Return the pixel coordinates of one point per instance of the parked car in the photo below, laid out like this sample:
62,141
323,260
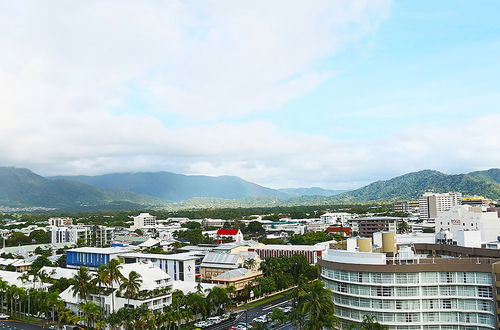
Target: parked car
4,316
215,319
200,324
260,319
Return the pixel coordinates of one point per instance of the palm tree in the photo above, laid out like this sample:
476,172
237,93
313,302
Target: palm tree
90,311
114,276
3,288
82,283
131,285
218,298
370,323
197,303
278,316
316,306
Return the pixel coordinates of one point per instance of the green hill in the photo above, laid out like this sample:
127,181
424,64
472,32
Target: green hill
412,185
20,187
493,175
178,187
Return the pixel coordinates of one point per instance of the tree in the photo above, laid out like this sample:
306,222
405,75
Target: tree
115,275
278,317
370,323
254,227
131,285
316,307
91,312
3,289
403,227
39,262
82,283
218,299
40,236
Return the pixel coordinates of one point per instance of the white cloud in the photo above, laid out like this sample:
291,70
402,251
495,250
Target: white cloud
70,71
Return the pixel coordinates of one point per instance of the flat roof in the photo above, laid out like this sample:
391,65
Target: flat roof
176,256
289,247
106,250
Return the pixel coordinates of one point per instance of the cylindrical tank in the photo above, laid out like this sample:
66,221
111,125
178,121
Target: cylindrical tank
389,243
364,244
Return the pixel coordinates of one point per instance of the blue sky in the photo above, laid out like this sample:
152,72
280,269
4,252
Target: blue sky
331,93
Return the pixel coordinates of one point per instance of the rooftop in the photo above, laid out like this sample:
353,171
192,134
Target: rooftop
177,256
106,250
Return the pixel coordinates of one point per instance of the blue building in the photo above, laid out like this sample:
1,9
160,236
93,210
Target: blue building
92,257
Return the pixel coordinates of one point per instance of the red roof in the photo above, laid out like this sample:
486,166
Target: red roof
345,230
227,232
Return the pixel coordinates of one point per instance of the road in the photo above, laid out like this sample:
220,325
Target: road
255,312
18,325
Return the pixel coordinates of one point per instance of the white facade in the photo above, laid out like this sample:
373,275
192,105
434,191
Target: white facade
339,218
431,205
60,222
90,235
144,220
409,296
179,266
470,218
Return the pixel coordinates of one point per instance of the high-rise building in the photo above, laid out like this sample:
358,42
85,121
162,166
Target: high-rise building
431,205
412,292
99,236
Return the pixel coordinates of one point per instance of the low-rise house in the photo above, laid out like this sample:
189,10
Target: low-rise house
58,272
240,278
217,263
154,292
20,265
15,278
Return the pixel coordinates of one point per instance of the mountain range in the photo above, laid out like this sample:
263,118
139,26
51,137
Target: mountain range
23,188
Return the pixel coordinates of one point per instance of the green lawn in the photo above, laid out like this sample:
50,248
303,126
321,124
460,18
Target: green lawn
265,300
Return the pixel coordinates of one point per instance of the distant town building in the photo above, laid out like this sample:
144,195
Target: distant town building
311,252
144,220
345,231
366,226
60,222
337,218
405,206
431,205
469,225
475,201
99,236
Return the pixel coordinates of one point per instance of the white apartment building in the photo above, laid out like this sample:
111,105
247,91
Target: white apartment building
431,205
90,235
466,220
144,220
412,293
337,218
155,291
179,266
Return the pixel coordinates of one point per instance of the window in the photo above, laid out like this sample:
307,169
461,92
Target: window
342,287
484,292
384,291
446,303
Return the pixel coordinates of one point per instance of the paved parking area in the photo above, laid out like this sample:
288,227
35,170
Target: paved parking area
18,325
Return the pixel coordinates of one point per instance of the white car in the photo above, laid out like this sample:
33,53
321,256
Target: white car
261,319
4,316
200,324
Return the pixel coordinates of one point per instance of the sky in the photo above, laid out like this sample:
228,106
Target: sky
334,94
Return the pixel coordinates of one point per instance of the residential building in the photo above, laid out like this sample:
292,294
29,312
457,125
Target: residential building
474,221
19,265
337,218
431,205
99,236
316,226
232,235
366,226
144,220
154,292
60,222
311,252
179,266
412,291
93,257
405,206
14,278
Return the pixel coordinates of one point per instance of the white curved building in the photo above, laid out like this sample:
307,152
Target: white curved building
428,293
